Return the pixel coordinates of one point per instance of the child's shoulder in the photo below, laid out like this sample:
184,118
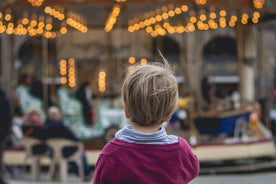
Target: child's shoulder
110,147
183,142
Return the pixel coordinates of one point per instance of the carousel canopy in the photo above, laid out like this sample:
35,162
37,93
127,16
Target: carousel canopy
157,17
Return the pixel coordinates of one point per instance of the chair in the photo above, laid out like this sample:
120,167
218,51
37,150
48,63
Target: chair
58,144
28,144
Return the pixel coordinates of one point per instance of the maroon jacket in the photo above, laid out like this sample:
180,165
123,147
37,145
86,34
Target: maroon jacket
121,162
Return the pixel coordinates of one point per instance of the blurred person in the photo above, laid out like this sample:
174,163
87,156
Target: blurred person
206,90
84,95
143,152
24,80
54,128
36,88
6,115
26,100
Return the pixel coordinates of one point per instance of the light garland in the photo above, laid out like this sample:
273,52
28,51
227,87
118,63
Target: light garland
258,3
57,12
36,2
67,72
201,2
102,81
112,18
154,17
33,26
36,25
76,21
151,22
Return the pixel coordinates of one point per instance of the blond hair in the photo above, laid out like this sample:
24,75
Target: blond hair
150,93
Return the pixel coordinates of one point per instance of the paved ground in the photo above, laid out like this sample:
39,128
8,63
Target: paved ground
252,178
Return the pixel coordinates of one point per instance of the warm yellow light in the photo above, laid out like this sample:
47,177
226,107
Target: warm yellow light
190,27
63,62
203,17
184,8
101,81
63,80
63,30
177,10
245,16
231,23
71,61
131,60
33,23
180,29
171,13
222,13
258,3
47,9
200,25
213,15
256,14
234,18
222,24
158,18
193,19
143,61
49,27
165,16
102,74
2,29
149,29
206,27
25,21
152,21
8,17
202,2
255,20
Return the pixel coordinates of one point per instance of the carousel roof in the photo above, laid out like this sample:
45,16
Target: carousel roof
149,15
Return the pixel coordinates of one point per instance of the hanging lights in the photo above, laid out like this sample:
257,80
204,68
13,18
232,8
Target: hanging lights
41,24
157,23
112,18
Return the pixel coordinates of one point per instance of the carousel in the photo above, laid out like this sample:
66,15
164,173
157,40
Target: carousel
68,42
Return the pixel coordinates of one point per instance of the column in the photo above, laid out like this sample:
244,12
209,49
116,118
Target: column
6,61
194,64
246,41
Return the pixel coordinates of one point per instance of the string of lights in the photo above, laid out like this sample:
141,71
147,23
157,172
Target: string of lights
41,24
157,22
67,72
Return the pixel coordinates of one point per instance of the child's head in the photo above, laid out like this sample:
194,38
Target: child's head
150,94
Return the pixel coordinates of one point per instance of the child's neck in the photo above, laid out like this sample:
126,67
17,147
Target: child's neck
145,129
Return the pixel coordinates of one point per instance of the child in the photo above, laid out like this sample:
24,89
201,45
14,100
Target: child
142,152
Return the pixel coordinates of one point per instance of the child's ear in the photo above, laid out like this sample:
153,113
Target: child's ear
126,113
167,118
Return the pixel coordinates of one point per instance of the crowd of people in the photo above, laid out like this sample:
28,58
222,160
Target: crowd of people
26,115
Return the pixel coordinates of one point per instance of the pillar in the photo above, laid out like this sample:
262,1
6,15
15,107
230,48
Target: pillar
193,64
6,61
247,54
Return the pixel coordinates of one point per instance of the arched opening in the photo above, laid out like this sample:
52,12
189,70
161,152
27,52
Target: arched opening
36,57
168,47
30,55
220,65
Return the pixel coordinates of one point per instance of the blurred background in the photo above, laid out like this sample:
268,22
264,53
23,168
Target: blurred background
62,64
